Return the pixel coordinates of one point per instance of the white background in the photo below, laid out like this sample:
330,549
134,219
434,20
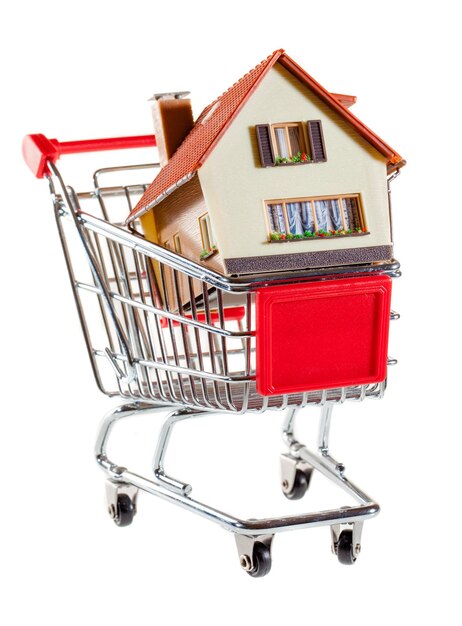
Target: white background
83,70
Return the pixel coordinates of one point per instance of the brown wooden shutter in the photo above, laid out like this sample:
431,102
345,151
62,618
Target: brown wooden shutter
353,212
318,150
346,204
265,146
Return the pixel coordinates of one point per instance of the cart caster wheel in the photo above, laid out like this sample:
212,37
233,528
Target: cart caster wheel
300,485
261,561
124,511
345,549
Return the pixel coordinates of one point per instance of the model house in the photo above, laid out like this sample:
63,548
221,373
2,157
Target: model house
276,174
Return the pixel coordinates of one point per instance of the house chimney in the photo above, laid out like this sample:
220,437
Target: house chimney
173,119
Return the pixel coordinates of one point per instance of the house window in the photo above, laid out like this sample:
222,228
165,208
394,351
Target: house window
208,239
289,143
288,140
305,218
177,243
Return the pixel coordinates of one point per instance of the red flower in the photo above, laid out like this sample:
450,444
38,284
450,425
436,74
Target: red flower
364,230
282,237
303,156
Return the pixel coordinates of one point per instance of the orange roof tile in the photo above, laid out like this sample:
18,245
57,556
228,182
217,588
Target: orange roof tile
216,117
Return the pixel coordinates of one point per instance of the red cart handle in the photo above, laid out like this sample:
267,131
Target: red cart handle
38,149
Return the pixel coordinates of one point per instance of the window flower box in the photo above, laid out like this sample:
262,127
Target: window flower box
298,159
278,237
206,254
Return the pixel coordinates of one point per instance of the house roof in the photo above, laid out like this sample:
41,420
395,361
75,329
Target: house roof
214,120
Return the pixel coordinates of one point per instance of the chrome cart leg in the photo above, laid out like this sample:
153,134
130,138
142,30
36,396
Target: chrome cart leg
323,439
295,473
167,481
346,535
121,496
120,412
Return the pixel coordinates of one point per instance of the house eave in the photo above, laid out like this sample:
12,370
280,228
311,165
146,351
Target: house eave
161,197
393,167
392,156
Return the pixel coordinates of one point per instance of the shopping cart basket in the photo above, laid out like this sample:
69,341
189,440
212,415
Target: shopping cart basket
157,349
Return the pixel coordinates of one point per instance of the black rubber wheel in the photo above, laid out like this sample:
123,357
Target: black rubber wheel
345,548
300,486
125,510
261,558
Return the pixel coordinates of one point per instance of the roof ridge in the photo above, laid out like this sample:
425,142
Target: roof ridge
278,52
260,71
259,65
241,80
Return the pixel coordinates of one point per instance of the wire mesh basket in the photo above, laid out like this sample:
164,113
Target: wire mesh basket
160,327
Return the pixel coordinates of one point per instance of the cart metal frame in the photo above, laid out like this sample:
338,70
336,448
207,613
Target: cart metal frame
190,360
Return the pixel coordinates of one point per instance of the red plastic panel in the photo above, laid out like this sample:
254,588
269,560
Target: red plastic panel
322,335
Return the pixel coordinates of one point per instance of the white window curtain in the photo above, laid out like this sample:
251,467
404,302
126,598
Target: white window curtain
328,214
281,141
335,215
300,217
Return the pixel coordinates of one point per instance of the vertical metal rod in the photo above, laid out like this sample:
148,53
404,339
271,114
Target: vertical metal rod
324,428
78,300
163,347
100,255
210,338
176,352
247,351
155,297
161,449
199,352
185,339
289,423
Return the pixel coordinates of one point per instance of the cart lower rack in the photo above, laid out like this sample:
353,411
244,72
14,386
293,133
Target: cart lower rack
166,334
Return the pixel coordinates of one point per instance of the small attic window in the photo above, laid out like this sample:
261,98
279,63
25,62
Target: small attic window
177,243
291,143
288,140
209,113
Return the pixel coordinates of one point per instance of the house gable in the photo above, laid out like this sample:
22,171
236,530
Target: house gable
213,123
235,185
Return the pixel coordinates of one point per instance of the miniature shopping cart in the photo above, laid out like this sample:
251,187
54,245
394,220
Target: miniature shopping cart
161,351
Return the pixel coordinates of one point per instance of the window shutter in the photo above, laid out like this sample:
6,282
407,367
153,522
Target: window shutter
353,213
318,150
264,145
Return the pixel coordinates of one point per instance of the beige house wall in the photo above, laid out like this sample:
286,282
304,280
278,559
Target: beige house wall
235,184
